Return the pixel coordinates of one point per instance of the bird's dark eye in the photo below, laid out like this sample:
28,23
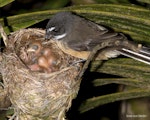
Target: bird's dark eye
56,30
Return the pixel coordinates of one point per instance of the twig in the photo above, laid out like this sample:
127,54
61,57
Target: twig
4,35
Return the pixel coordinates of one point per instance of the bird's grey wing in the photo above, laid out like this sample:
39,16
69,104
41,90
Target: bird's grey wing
101,35
83,36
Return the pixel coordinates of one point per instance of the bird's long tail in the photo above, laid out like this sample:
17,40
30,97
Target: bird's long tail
143,55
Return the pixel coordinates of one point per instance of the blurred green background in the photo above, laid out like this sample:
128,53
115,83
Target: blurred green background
24,6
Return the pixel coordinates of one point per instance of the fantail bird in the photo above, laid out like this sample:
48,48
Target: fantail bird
78,36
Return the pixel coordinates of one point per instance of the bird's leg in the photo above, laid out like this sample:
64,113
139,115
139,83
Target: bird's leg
79,61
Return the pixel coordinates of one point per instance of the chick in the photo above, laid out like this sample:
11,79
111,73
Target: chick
41,59
35,46
51,58
35,67
44,65
34,51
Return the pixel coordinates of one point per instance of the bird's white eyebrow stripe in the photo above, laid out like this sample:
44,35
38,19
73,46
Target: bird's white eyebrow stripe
51,29
60,36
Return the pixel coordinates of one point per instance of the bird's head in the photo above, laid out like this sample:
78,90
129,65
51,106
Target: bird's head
34,47
59,25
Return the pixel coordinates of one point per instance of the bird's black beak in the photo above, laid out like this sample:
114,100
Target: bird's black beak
48,36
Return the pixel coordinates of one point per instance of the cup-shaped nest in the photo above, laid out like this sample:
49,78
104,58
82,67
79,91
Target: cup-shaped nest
37,92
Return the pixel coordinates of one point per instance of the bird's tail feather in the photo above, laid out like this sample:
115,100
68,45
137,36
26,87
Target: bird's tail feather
143,55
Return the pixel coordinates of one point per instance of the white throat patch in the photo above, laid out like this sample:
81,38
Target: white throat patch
60,36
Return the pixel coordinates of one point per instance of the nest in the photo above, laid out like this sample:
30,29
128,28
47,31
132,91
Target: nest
36,94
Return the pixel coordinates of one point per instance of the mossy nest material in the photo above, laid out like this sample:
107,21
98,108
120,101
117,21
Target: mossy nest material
34,94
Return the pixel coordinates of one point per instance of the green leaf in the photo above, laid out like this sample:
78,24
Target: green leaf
112,1
144,1
24,20
131,20
5,2
100,100
123,81
124,67
79,2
